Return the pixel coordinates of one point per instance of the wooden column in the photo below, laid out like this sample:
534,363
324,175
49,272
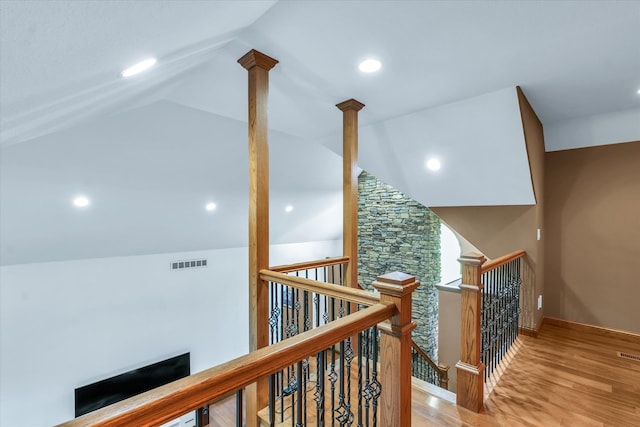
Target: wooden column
350,110
258,65
470,370
395,349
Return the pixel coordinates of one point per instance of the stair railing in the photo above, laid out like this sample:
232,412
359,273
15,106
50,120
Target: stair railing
342,383
424,368
501,280
489,299
384,387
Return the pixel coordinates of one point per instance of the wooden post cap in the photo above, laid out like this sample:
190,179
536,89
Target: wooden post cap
253,58
396,284
350,104
472,258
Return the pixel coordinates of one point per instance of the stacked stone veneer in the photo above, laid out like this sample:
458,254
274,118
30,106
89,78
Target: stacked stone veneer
396,233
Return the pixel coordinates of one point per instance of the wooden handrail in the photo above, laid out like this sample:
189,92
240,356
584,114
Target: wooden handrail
495,263
170,401
310,264
343,292
442,369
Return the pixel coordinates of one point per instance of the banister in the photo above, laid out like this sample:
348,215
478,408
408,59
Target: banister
170,401
495,263
343,292
440,368
327,262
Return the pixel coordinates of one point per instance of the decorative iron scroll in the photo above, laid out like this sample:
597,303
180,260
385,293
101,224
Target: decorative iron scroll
341,383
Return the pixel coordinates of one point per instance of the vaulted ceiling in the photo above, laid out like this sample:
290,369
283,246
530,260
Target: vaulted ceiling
152,150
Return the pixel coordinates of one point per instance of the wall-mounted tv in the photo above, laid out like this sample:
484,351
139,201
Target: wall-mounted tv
111,390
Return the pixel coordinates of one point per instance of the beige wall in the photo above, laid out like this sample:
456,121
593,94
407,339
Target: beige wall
535,266
593,235
449,323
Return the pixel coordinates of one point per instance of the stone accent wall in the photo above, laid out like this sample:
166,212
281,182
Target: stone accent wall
396,233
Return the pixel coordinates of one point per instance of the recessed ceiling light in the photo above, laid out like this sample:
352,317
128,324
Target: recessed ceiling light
288,208
81,202
638,91
433,164
370,66
210,206
139,67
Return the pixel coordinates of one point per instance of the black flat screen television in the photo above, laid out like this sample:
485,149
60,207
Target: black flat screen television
111,390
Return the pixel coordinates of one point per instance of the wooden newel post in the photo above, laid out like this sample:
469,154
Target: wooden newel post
395,349
350,110
258,65
470,369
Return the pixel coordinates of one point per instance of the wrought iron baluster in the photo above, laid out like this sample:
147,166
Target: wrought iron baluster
239,411
333,377
272,399
319,394
360,379
300,387
375,384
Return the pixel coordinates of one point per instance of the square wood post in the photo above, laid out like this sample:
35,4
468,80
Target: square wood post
350,110
470,369
395,349
258,65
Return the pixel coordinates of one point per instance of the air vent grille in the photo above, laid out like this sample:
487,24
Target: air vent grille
190,263
629,356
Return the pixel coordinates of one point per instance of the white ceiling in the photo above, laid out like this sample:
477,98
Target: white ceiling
151,150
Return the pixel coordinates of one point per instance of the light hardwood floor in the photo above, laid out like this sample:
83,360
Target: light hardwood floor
562,378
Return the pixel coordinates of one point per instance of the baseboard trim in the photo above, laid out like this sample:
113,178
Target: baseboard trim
528,332
592,329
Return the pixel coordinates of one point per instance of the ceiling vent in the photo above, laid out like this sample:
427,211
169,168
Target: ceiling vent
629,356
184,264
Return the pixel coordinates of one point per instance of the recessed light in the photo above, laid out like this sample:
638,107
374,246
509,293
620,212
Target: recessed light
433,164
139,67
288,208
81,202
210,206
638,91
370,66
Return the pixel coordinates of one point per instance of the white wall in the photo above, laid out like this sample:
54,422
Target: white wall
67,324
590,131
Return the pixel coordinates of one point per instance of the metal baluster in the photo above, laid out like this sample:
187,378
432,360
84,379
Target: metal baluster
367,395
272,399
333,377
299,376
360,379
239,410
375,384
349,354
319,394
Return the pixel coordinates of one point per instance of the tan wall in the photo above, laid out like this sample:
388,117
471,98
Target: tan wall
449,332
593,235
534,138
499,230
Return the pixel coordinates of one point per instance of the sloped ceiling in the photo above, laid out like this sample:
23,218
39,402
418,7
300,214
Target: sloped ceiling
151,150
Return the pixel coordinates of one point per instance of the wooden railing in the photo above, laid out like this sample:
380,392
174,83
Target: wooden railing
498,262
311,265
486,312
302,299
501,280
424,368
387,311
177,398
